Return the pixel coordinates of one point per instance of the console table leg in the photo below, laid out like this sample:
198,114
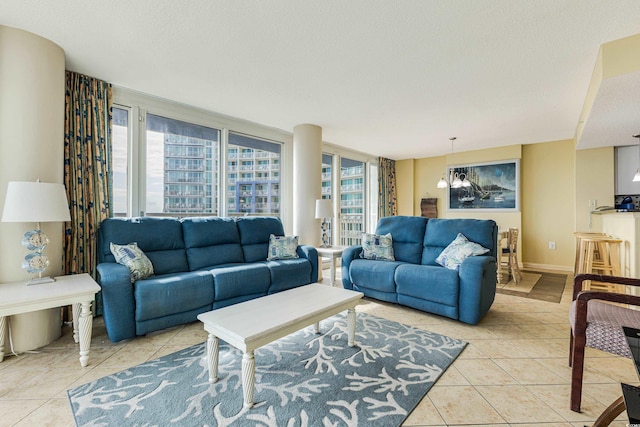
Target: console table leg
75,314
351,326
3,331
248,378
213,352
316,327
85,321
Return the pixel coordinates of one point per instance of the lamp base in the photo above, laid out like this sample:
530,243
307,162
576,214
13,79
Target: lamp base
40,280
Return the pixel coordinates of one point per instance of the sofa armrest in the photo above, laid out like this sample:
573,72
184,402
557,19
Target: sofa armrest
118,301
348,255
477,288
310,253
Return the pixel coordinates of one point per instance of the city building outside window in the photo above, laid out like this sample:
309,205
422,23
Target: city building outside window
257,189
182,167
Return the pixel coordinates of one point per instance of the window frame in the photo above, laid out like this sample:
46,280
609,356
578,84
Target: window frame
139,105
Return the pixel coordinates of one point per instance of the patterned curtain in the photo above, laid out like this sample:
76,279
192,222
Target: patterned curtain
87,168
387,187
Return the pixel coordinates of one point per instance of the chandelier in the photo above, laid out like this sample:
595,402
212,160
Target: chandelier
456,180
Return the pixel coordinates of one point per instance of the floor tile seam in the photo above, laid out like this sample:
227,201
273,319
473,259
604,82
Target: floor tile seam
541,403
479,394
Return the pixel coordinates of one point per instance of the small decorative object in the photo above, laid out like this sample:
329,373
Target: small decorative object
35,202
324,210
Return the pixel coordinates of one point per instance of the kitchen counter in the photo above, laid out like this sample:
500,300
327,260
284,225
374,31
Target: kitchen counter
625,226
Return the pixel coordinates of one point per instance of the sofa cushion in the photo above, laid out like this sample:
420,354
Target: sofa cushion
282,247
254,236
429,283
460,249
134,259
378,247
211,241
169,294
441,232
408,235
231,281
288,274
159,238
375,275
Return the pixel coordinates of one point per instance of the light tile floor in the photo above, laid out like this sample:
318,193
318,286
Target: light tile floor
514,371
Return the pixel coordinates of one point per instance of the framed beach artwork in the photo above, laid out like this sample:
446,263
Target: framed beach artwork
489,186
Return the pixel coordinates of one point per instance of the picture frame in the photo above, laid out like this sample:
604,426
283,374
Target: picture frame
489,187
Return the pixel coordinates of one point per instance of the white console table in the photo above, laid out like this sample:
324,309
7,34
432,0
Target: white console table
333,253
76,290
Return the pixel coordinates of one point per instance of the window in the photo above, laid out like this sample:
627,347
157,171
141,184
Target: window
255,192
182,167
352,196
119,159
327,187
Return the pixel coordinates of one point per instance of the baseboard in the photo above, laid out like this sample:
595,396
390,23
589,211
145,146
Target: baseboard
536,266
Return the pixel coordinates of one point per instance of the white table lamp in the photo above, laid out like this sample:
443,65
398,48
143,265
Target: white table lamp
324,210
35,202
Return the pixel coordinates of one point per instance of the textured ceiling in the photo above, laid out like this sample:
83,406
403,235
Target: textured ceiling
390,78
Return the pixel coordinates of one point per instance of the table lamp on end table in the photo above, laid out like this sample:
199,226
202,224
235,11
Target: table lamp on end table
35,202
324,210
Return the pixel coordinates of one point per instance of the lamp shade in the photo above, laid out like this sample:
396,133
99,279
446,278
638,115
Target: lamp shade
35,202
324,208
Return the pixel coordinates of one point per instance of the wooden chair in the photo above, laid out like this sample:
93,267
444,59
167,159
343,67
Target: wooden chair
597,323
509,256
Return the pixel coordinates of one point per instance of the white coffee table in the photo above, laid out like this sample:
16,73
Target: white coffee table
255,323
77,290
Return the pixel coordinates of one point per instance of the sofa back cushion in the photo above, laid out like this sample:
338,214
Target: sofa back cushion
211,241
441,232
159,238
254,236
407,233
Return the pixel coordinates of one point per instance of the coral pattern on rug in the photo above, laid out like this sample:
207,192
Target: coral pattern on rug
304,379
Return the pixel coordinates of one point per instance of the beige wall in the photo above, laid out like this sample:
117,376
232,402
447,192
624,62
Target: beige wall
31,147
547,196
548,203
404,186
594,181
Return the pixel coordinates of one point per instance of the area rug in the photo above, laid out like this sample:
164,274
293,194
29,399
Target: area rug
305,379
536,285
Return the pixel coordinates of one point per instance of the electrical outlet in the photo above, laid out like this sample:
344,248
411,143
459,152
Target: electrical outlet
593,204
552,245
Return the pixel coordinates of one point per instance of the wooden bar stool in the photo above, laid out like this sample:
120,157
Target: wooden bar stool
600,255
580,255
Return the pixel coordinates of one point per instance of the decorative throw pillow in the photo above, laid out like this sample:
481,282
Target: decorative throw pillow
132,256
377,247
282,247
458,250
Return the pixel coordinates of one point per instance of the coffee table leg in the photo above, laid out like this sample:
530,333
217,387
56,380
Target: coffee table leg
85,321
351,326
248,378
213,351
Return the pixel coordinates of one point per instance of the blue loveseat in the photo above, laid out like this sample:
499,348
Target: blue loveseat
415,280
200,264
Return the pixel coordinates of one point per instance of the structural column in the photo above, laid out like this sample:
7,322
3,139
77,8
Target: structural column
307,182
32,73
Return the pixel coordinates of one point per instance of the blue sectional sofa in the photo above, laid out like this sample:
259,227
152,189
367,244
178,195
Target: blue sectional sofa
415,280
199,264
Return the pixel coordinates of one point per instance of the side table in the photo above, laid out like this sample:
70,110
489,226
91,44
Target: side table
77,290
333,253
